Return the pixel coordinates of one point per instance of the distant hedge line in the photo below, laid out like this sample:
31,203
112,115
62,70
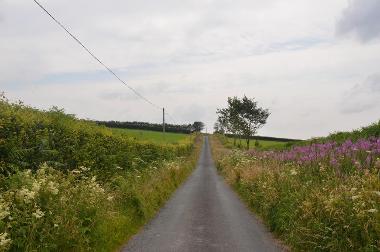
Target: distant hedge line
185,128
266,138
29,137
372,130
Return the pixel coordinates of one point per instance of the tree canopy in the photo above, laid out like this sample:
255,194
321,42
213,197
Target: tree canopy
242,117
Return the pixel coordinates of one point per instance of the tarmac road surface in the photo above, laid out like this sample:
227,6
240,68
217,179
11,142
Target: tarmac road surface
204,214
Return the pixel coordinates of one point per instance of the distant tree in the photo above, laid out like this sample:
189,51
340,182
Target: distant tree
184,128
223,120
217,128
229,118
198,126
242,117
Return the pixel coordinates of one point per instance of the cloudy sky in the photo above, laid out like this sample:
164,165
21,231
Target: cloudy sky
314,64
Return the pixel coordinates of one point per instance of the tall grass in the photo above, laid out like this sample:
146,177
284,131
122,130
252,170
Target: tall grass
69,185
49,210
323,197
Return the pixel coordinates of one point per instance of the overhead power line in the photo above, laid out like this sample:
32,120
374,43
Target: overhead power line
174,121
96,58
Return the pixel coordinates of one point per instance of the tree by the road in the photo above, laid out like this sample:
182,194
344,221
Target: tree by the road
242,117
198,126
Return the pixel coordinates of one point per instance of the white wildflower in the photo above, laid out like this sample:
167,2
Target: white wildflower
4,209
376,192
55,225
355,197
26,195
110,198
373,210
83,168
36,186
95,186
41,172
377,163
44,166
38,214
42,181
353,189
76,171
98,189
51,186
4,242
293,172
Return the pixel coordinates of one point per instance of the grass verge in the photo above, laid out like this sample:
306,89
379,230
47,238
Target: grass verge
70,185
50,210
309,208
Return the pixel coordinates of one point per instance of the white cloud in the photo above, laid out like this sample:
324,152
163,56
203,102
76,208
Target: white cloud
188,56
363,97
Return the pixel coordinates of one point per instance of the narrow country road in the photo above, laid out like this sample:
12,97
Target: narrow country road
204,214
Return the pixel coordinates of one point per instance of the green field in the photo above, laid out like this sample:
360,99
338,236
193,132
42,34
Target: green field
69,184
262,144
154,136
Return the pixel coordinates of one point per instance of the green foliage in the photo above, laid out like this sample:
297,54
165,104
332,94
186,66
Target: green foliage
198,126
242,117
372,130
54,211
70,185
145,126
311,209
29,137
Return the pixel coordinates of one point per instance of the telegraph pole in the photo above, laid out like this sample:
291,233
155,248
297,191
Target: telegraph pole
163,122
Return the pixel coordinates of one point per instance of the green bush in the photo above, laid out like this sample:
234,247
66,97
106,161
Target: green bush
29,137
70,185
49,210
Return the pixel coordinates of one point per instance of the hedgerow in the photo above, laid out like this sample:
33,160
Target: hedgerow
29,137
70,185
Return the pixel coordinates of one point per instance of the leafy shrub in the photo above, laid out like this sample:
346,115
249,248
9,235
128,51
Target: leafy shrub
29,137
67,184
49,210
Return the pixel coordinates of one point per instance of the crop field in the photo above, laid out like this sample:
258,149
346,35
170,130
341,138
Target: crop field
154,136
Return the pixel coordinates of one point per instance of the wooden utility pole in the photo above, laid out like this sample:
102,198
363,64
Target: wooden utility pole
163,122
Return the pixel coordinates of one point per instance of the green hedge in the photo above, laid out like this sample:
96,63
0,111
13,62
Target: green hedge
30,137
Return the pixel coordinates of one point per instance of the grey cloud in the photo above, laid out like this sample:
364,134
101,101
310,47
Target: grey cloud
192,112
362,97
156,88
1,7
361,18
114,95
